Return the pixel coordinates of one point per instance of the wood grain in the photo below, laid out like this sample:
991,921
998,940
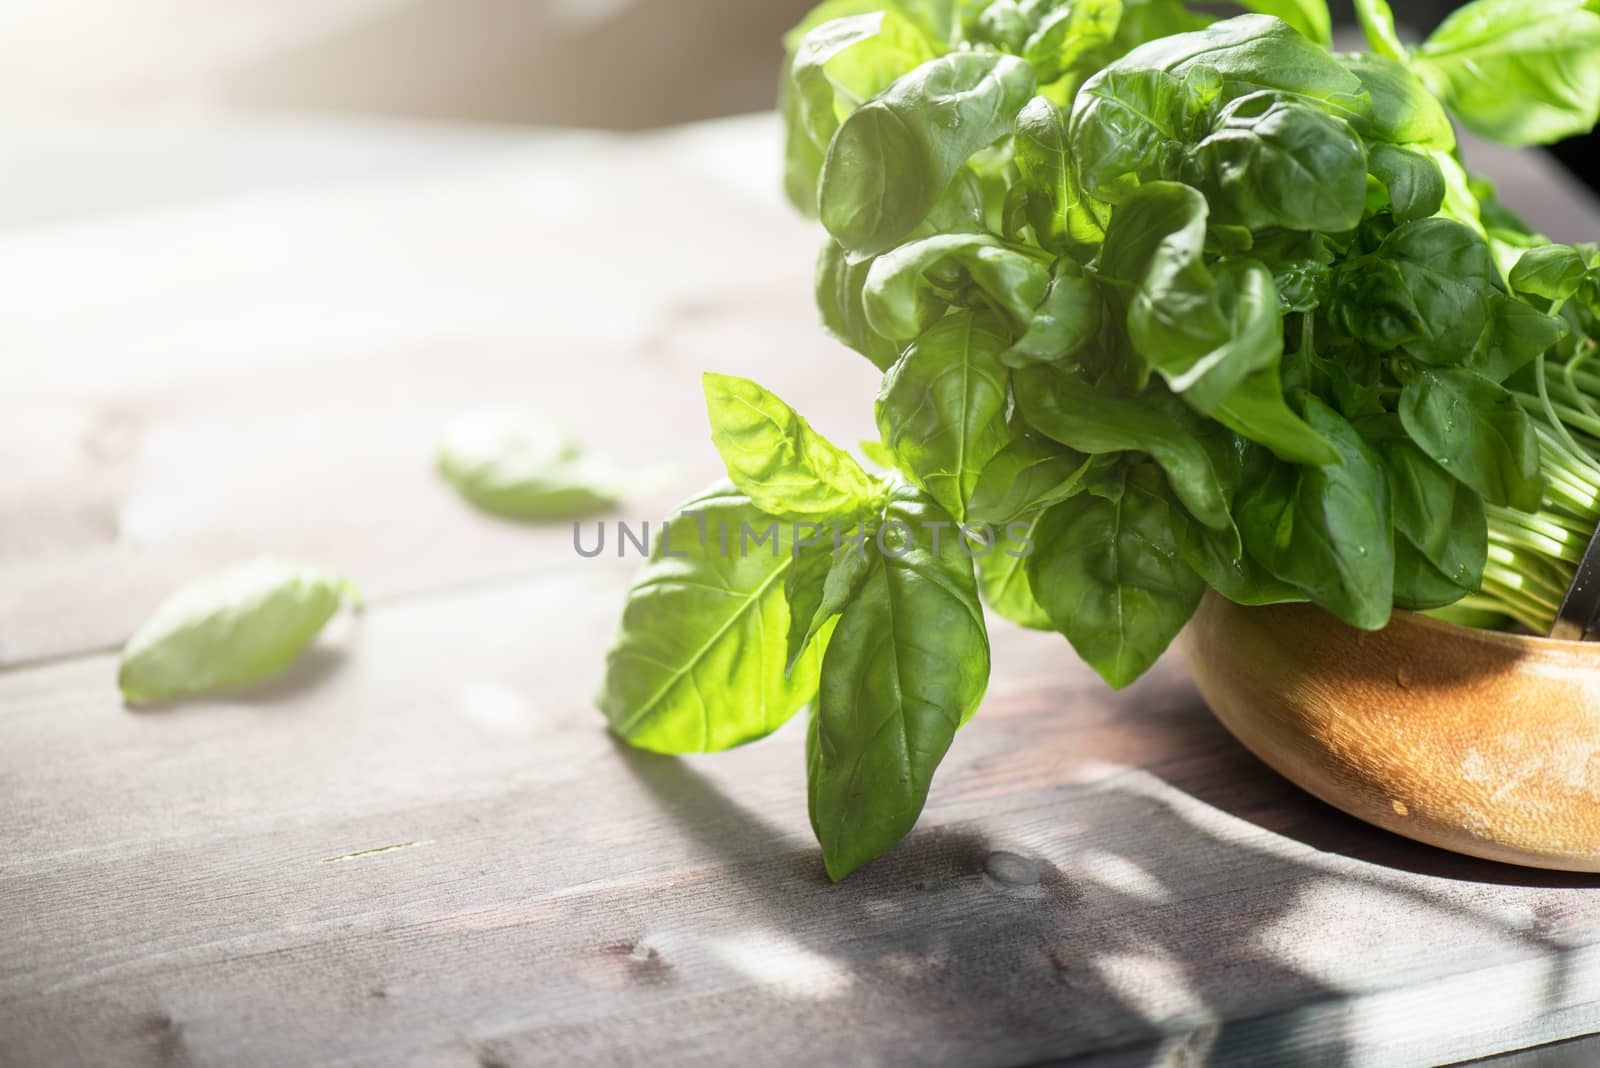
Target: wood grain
421,847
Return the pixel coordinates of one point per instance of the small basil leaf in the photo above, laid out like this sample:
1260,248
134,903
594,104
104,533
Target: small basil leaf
942,409
1516,335
894,156
1064,322
776,459
1553,272
1419,586
900,297
1326,530
1099,419
843,63
1403,111
1271,161
1310,17
823,582
1415,185
519,467
1477,432
839,288
1063,219
1109,574
698,662
237,627
907,665
1377,22
1071,33
1026,476
1003,577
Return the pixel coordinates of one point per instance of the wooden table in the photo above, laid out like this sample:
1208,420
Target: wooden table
422,848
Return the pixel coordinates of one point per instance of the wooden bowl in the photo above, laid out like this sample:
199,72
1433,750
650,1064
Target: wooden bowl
1483,743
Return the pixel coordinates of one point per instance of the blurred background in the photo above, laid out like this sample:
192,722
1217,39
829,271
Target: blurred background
75,74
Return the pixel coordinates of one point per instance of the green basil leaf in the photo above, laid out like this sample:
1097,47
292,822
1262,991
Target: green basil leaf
1327,530
1414,182
902,296
776,459
1219,558
1071,35
1063,219
1064,322
1108,572
698,663
1477,432
240,626
1310,17
520,468
1026,476
1522,72
894,156
1377,22
1256,410
1099,419
842,64
1515,337
1419,586
840,285
907,665
818,588
802,159
1438,515
1553,272
942,408
1272,161
1123,127
1426,291
1403,111
1003,577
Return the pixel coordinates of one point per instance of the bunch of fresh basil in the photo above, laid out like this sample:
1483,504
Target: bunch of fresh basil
1175,303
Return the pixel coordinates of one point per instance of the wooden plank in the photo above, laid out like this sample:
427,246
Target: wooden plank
423,848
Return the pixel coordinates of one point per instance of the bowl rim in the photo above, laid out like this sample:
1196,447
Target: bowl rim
1504,639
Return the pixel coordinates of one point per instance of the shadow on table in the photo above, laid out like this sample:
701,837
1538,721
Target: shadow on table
1025,960
1106,946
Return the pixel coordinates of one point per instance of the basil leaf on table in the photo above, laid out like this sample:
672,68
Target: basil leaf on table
942,409
1477,432
1326,530
907,665
776,459
1521,72
1108,572
700,655
240,626
521,468
894,156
